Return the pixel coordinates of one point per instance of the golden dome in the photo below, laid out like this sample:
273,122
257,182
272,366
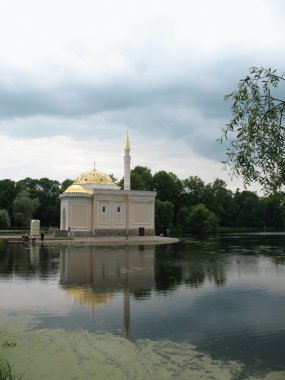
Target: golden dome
86,296
76,189
94,177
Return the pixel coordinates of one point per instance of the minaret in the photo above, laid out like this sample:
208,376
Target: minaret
127,165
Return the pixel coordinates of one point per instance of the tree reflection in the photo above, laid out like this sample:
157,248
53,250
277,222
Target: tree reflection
189,264
193,262
196,278
200,259
29,262
142,294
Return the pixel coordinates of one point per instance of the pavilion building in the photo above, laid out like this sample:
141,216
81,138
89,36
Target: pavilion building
95,205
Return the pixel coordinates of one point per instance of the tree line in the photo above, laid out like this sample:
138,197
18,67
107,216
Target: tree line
21,201
189,205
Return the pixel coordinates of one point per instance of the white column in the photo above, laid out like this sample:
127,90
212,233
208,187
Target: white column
127,165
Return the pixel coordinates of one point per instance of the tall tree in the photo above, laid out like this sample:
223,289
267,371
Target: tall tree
24,208
219,200
273,210
7,195
47,192
141,178
163,216
168,186
193,190
256,131
201,219
249,210
5,221
182,216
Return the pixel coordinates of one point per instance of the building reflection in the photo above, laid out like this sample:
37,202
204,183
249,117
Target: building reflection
92,275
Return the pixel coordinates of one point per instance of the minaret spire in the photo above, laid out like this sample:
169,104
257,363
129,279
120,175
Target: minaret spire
127,164
127,143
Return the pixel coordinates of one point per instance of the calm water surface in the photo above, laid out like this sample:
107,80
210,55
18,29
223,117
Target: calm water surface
225,295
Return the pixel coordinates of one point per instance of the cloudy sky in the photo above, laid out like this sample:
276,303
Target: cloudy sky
76,75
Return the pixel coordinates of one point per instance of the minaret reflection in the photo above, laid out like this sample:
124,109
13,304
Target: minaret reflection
127,312
92,275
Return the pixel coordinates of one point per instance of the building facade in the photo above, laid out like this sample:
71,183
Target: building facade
95,204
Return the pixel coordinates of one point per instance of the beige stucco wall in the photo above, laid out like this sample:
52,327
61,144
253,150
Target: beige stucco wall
140,214
109,210
77,213
80,215
110,214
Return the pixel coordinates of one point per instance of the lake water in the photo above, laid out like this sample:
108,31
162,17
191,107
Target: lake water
211,308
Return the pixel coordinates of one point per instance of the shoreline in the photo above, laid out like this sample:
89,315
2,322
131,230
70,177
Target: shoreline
111,240
102,240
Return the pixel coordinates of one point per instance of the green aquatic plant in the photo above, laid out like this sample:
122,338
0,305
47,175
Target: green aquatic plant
6,371
9,344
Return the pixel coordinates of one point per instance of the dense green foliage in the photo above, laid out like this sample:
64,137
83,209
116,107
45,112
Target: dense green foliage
176,203
219,205
200,219
5,221
256,131
31,198
23,208
164,211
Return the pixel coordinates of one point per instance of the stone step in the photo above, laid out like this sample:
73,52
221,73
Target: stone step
63,233
83,234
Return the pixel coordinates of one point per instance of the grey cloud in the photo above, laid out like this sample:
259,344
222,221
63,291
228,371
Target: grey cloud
187,107
74,97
